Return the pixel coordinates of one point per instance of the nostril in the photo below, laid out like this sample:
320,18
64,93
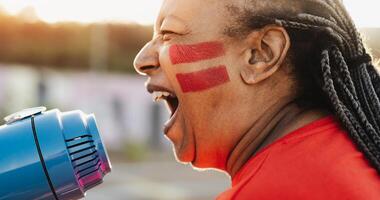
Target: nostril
148,68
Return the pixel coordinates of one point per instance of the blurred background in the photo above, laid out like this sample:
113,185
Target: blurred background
78,54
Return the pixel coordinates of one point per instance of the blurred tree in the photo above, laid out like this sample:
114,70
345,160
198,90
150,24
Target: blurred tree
68,45
73,45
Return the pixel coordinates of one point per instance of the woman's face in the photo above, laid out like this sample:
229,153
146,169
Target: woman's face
195,70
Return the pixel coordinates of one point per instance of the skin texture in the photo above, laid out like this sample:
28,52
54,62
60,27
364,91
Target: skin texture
222,126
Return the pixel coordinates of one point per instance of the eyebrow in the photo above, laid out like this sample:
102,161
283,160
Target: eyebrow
171,17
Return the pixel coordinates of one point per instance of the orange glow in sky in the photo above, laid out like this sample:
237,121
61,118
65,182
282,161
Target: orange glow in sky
87,11
364,12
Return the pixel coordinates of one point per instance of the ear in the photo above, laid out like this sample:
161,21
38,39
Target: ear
266,52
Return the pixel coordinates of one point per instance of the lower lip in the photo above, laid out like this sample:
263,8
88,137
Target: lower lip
171,121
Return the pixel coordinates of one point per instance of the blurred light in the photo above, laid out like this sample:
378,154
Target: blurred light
364,12
87,11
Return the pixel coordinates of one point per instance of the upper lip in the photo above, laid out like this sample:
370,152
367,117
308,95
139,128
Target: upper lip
154,88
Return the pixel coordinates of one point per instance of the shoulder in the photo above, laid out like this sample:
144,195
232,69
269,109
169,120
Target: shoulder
317,163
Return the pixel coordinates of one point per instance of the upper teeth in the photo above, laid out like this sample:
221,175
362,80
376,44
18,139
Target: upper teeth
160,95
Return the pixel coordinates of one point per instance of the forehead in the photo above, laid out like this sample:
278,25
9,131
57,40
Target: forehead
191,12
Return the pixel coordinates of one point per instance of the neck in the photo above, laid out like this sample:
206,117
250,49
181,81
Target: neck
278,120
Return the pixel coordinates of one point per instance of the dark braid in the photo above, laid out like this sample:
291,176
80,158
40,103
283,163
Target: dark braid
331,64
356,130
351,29
374,78
320,21
343,69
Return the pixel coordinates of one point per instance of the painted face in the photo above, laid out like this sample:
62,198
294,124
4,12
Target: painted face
195,69
204,79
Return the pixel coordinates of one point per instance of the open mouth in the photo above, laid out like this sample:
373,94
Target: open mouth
171,100
172,103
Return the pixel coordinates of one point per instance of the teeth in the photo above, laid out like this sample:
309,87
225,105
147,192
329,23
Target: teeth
157,96
166,94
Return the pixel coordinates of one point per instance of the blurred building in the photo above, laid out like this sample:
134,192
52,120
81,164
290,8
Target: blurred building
120,102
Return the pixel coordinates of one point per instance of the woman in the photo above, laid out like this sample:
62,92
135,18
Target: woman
279,94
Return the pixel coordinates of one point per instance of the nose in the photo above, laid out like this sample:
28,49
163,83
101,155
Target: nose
147,60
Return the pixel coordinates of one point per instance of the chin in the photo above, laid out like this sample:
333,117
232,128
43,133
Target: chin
183,143
209,160
190,157
203,165
183,156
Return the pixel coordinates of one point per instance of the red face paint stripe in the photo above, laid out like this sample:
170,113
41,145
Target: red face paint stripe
203,80
192,53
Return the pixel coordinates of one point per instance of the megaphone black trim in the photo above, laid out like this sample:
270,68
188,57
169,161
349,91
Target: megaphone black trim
42,159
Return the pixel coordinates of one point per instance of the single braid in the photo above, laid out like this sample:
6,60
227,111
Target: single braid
343,69
375,79
366,97
371,94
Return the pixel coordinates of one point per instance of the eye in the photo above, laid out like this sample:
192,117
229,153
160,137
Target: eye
167,35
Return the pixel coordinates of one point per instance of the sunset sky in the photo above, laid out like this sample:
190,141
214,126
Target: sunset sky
365,12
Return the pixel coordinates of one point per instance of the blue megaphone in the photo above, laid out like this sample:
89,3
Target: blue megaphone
50,155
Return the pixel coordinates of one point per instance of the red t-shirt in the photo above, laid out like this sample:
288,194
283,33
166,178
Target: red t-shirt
316,162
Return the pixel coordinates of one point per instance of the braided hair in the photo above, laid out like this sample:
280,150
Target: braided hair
330,63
